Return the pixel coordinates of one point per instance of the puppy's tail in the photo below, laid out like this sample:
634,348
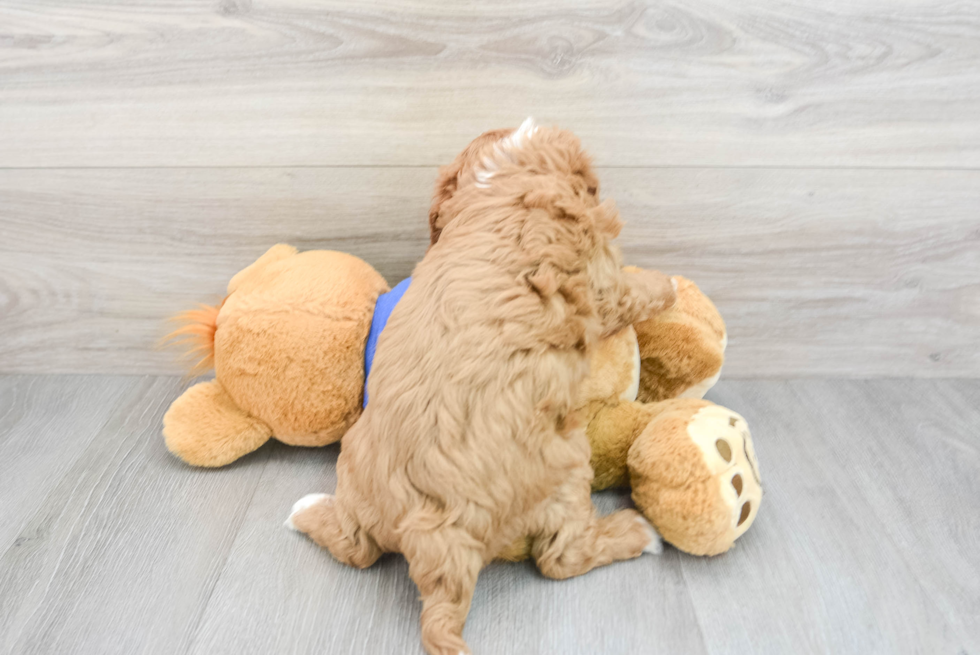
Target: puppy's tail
196,334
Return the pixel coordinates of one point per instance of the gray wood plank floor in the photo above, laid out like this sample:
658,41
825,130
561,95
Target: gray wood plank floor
868,541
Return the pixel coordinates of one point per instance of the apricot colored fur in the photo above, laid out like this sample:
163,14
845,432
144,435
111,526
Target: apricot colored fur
471,440
448,179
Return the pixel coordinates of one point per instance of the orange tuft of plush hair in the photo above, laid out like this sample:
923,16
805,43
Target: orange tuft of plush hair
196,332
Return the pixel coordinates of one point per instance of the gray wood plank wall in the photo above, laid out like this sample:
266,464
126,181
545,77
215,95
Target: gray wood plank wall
815,168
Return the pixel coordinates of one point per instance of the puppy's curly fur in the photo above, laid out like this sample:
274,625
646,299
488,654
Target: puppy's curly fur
470,441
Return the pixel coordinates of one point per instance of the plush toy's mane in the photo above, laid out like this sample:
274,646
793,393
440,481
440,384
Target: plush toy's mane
197,333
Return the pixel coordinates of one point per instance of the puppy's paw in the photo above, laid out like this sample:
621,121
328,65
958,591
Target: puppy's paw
656,545
653,291
303,503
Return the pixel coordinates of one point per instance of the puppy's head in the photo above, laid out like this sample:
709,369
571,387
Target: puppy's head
544,166
534,192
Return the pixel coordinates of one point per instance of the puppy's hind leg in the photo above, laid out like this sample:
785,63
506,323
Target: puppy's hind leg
571,540
327,522
444,563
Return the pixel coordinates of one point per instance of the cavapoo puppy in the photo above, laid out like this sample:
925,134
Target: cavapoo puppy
469,441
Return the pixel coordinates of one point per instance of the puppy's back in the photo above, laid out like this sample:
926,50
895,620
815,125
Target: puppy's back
480,361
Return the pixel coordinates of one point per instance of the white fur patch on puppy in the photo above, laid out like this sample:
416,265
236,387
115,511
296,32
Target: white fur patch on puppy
656,545
502,150
306,501
524,132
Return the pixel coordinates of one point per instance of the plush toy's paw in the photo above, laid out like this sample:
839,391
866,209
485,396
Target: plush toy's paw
204,427
695,476
656,545
654,291
682,349
304,503
724,439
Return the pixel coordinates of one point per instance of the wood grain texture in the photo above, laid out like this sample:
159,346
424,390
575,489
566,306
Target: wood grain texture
927,449
865,524
281,593
868,542
295,82
122,553
818,272
46,423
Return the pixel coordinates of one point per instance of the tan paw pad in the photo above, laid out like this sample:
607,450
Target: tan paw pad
726,444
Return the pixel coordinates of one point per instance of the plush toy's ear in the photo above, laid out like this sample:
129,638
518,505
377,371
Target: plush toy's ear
254,271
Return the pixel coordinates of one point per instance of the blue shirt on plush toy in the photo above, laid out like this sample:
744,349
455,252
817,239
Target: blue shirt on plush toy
382,310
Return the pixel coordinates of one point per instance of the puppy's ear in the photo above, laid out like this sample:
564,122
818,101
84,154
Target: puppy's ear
575,307
607,219
558,204
545,280
446,184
